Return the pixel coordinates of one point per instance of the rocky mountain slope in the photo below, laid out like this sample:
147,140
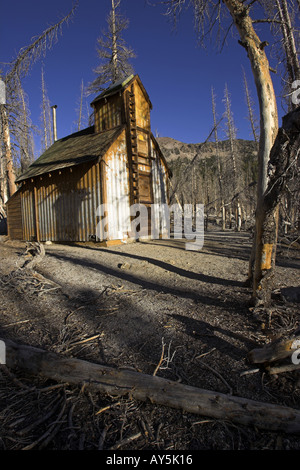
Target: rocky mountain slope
174,149
195,170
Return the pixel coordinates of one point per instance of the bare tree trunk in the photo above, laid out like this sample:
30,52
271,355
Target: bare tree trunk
231,133
293,66
80,106
265,239
220,179
10,174
17,71
3,185
114,41
289,46
250,110
46,117
24,135
284,163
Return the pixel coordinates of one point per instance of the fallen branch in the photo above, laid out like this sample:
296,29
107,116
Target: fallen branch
279,349
157,390
34,254
285,368
126,441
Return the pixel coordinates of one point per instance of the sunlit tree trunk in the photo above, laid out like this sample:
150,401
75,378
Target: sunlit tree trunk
114,42
252,119
266,224
231,134
220,179
46,116
8,162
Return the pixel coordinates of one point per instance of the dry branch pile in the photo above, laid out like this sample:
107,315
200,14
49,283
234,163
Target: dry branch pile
24,279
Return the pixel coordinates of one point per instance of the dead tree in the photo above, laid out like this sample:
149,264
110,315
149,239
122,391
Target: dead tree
209,13
7,158
113,52
282,16
249,103
231,134
24,132
80,110
283,167
17,71
47,139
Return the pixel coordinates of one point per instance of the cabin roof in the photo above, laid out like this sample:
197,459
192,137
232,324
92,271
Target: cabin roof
77,148
120,85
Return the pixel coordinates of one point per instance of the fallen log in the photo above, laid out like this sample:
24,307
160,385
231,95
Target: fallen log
277,350
157,390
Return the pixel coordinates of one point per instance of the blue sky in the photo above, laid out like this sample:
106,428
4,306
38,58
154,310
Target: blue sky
176,72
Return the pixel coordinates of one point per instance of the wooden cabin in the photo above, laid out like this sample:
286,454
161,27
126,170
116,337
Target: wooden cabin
116,162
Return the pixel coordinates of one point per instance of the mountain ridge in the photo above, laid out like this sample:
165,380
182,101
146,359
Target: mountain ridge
174,149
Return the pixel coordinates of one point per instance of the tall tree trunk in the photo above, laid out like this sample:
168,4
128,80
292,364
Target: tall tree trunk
220,179
231,133
283,163
266,223
9,169
24,135
114,42
46,117
250,110
80,106
3,184
289,46
289,40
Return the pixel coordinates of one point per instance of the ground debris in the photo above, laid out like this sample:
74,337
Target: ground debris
96,311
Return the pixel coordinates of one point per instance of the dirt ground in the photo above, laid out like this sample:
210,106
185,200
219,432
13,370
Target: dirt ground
118,306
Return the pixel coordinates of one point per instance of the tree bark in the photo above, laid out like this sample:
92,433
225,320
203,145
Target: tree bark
10,174
283,164
155,389
114,42
265,244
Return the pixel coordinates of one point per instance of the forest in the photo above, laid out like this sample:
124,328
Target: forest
147,346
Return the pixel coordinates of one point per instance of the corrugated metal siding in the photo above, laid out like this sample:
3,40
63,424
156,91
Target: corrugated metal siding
160,218
63,206
27,204
66,205
67,201
116,176
14,217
